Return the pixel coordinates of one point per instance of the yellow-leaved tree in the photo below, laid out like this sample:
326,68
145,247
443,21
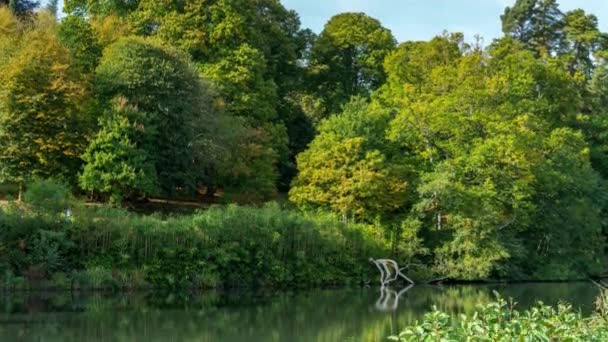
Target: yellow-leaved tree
41,103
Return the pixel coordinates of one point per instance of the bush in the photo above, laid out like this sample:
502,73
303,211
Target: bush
499,321
49,195
8,190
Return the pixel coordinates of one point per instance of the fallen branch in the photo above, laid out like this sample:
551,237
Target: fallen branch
437,280
599,284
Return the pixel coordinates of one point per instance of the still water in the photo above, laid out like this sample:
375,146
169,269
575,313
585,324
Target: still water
321,315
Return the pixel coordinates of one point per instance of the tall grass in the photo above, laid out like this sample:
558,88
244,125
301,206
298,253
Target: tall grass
228,246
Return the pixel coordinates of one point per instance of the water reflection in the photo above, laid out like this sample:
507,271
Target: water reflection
325,315
389,299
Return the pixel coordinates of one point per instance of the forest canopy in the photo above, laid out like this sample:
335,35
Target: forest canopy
476,161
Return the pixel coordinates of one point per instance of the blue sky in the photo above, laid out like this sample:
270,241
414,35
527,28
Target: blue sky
423,19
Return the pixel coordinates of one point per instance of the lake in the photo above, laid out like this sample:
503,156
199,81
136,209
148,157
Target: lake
319,315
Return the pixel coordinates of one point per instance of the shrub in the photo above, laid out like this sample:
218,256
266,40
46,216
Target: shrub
499,321
8,191
50,195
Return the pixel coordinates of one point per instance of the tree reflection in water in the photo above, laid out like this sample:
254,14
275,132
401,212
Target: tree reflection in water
320,315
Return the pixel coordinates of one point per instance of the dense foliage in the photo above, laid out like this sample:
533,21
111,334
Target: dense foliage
109,248
476,161
500,321
168,110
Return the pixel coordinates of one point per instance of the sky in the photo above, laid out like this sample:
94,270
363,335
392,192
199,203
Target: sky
424,19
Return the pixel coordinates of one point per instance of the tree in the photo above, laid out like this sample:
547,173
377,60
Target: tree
115,164
247,172
349,168
545,30
53,7
102,8
493,153
176,105
249,49
346,59
76,34
42,128
582,40
20,8
11,30
239,76
412,63
536,23
210,29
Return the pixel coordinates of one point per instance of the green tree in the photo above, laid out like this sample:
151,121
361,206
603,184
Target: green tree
582,39
346,59
42,128
249,95
248,49
493,157
247,171
239,77
95,8
594,121
412,63
598,87
115,164
53,7
76,34
176,105
536,23
350,169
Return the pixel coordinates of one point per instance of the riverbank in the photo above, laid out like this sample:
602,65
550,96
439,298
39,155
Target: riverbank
109,248
105,248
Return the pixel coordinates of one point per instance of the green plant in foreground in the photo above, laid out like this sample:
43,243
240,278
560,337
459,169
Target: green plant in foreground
499,321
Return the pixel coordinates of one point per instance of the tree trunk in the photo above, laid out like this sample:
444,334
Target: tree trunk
20,194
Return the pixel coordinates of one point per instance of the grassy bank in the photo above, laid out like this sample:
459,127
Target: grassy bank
108,248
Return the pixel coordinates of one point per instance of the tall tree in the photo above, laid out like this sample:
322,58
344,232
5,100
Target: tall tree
494,156
346,60
536,23
582,39
53,7
248,49
42,130
350,168
21,8
175,104
116,165
78,36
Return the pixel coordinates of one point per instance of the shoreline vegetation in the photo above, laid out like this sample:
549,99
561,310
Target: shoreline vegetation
103,247
501,321
106,248
456,158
